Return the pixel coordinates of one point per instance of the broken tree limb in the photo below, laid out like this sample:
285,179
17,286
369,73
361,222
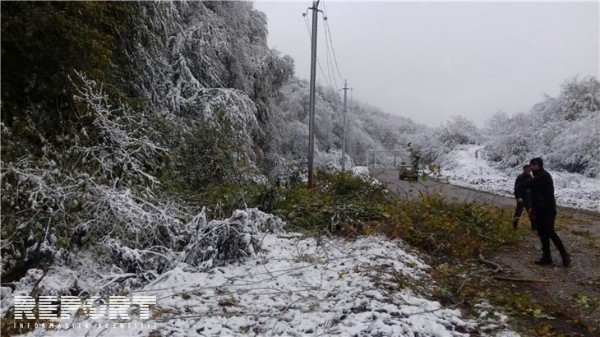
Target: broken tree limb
37,283
462,286
515,279
498,268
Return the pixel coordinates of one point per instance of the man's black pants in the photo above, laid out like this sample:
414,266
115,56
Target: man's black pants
545,227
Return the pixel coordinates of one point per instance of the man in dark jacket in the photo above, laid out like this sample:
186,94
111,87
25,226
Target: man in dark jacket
544,207
523,196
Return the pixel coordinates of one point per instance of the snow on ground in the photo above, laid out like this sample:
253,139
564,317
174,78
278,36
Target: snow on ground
298,286
466,166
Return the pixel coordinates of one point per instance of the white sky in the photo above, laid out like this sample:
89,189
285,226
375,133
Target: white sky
431,61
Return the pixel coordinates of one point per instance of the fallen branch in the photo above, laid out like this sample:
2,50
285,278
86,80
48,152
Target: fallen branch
290,235
462,286
490,263
515,279
37,283
116,278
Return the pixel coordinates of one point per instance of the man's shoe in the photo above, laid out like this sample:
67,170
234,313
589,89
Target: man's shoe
515,224
543,262
566,259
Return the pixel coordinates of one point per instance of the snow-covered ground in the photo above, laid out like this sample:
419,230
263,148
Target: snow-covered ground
297,286
464,168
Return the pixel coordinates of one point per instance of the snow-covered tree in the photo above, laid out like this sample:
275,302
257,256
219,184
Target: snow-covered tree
564,130
458,131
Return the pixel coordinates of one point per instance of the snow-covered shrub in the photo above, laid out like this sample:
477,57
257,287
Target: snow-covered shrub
563,130
210,155
510,141
36,197
579,99
191,46
101,194
360,171
295,142
577,149
429,146
331,161
223,241
459,131
99,187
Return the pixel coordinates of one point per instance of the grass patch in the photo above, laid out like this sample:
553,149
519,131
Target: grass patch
346,205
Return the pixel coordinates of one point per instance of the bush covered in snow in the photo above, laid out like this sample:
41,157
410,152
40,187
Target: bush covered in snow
223,241
564,130
99,187
103,194
82,168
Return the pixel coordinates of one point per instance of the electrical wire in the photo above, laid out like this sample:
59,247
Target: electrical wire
328,32
329,61
318,62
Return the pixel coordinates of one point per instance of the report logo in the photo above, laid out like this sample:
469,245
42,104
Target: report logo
95,307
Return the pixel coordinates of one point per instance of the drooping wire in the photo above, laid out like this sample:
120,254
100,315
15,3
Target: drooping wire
318,62
307,25
328,32
330,71
329,63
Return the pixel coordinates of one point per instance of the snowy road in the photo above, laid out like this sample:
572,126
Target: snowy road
473,178
410,189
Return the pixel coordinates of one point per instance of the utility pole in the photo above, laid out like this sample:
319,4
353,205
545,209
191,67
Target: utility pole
313,75
344,127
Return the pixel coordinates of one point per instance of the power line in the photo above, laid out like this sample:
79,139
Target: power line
329,63
325,78
328,55
328,31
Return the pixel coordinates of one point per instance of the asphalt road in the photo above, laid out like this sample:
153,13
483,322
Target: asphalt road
413,189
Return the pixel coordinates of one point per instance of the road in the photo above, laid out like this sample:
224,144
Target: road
411,189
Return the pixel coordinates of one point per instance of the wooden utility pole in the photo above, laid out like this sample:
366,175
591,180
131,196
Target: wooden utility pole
344,127
313,74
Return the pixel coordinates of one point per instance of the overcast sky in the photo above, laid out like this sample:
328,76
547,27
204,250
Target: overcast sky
431,61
